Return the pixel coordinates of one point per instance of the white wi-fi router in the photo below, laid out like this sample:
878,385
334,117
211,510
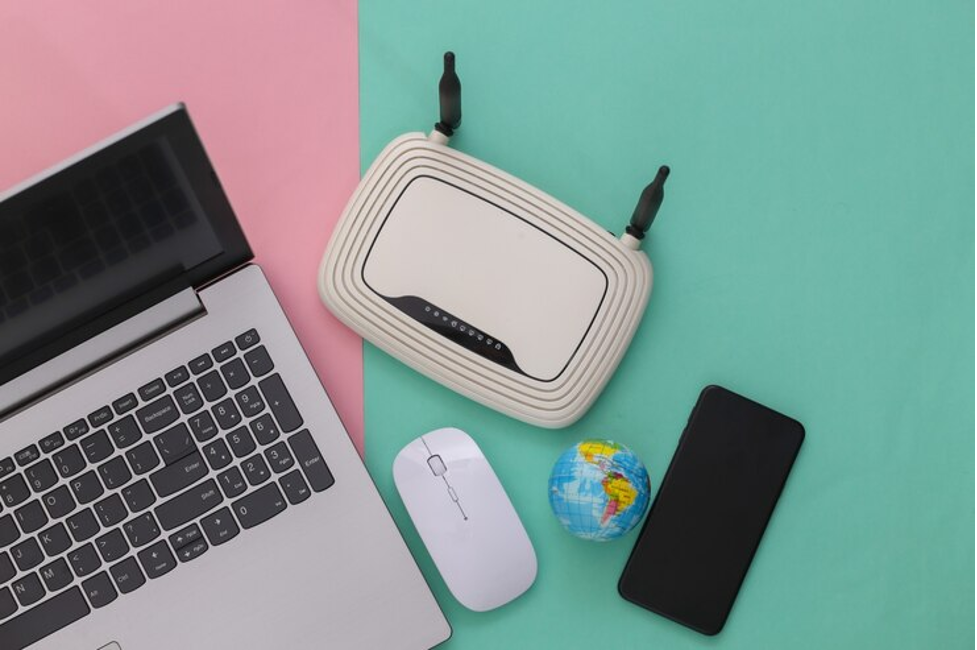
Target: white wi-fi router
484,283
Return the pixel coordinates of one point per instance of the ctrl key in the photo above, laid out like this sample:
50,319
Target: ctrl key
127,575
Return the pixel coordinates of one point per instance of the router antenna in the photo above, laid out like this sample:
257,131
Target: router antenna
449,94
651,199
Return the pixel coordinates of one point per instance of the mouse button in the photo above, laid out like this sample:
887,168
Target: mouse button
437,465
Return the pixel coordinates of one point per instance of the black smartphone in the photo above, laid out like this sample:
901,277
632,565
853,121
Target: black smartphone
711,510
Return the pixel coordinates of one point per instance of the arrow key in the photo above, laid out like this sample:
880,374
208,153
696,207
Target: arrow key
157,560
220,527
192,551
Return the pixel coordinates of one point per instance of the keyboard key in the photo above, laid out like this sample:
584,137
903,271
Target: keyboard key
259,506
127,575
188,506
152,390
84,560
177,376
86,487
256,470
99,417
158,415
83,525
112,545
28,590
47,618
8,530
143,457
310,460
232,482
217,454
27,554
219,527
125,432
223,352
175,443
186,471
246,340
279,458
41,475
200,364
212,386
7,604
188,398
50,442
55,540
27,455
69,461
100,590
183,537
110,510
7,466
192,551
58,502
203,427
97,447
14,491
157,560
7,569
115,473
250,401
31,517
264,429
141,530
226,414
138,496
259,363
76,429
56,575
277,397
295,488
125,404
235,374
241,442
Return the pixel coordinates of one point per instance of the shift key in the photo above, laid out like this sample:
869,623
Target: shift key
189,505
173,478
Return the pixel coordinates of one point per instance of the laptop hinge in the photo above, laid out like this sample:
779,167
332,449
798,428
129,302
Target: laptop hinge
106,347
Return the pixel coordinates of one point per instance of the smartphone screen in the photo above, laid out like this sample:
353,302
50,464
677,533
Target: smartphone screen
711,510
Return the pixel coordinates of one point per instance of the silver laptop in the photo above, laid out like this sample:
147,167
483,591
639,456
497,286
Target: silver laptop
172,474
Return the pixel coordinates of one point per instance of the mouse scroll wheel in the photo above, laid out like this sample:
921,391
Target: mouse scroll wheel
437,465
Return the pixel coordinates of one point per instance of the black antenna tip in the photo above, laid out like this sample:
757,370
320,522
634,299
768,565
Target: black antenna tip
648,205
449,97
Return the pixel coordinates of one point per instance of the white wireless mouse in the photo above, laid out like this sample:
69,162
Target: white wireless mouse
465,519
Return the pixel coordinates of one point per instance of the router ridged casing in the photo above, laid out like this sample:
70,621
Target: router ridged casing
483,283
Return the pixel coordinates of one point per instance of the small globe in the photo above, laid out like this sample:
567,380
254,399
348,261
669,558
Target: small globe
599,490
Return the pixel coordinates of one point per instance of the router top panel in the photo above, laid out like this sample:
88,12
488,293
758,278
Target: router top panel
500,282
484,283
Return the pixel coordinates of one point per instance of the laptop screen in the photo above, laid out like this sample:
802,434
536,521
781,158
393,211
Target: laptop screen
121,226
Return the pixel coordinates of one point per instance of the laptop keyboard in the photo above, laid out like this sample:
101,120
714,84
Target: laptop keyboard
183,464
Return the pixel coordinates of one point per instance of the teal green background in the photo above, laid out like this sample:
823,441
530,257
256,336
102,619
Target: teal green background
815,253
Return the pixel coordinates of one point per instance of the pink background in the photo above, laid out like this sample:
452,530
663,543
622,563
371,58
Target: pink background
272,89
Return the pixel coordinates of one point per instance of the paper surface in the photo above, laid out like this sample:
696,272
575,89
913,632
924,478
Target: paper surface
814,252
272,90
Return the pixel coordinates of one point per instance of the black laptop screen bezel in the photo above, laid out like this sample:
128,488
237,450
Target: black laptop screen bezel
175,125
